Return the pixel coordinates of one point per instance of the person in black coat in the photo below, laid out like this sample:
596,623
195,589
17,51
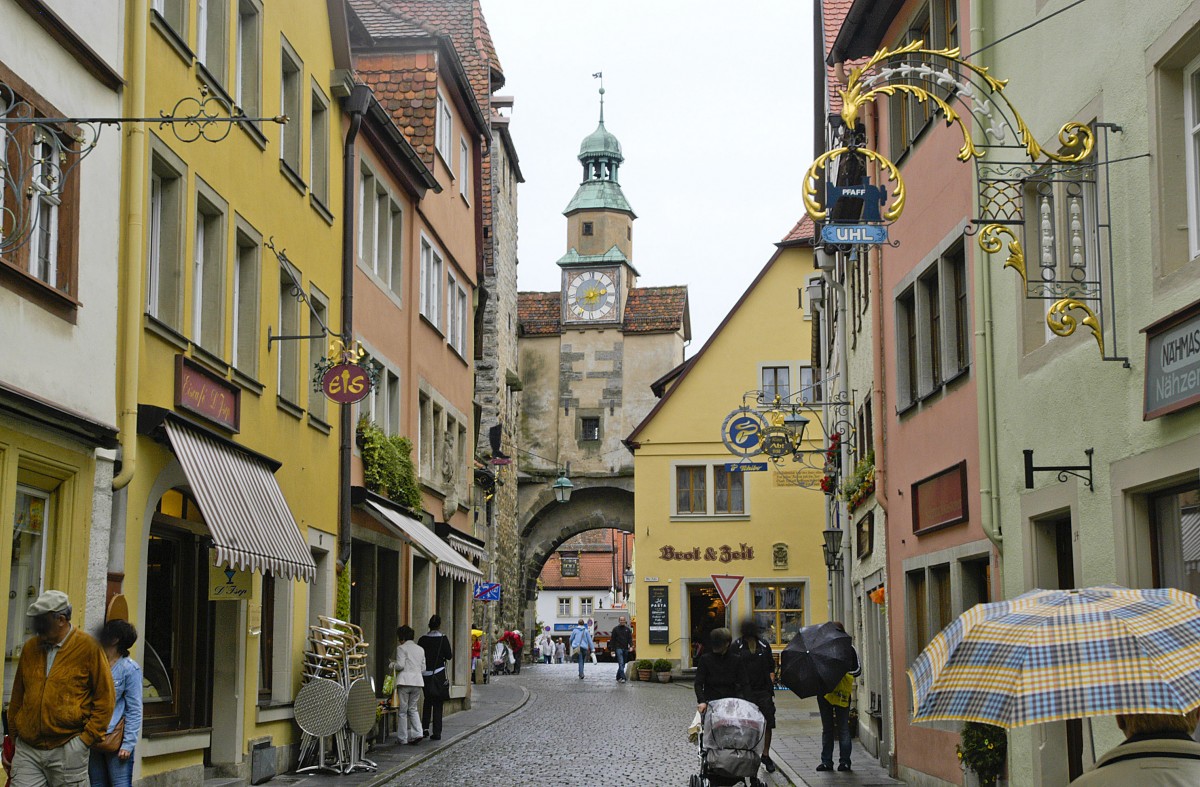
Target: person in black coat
760,677
720,674
437,688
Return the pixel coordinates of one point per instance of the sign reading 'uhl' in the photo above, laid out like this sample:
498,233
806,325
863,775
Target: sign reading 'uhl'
843,234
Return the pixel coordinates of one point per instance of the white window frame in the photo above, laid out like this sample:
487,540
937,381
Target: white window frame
318,146
246,240
1192,142
292,130
444,130
710,492
585,605
249,95
432,278
570,606
46,204
210,209
464,169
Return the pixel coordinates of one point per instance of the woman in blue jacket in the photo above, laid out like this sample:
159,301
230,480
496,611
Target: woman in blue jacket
116,769
581,643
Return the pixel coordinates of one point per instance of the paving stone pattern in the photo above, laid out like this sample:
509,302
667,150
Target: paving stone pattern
797,748
592,732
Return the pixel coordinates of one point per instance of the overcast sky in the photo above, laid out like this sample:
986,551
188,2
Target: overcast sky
712,104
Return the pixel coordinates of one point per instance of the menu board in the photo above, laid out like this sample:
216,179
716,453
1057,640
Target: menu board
660,607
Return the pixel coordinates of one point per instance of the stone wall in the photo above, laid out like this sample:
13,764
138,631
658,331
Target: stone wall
498,393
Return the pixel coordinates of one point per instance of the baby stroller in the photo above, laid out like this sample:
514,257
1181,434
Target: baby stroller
730,744
502,659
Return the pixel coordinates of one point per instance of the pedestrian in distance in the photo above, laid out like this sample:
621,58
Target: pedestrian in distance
619,642
760,677
62,699
115,768
517,644
476,651
581,644
835,718
546,646
560,651
409,668
1158,751
720,674
437,688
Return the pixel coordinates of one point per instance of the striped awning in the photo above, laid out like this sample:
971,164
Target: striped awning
449,563
242,505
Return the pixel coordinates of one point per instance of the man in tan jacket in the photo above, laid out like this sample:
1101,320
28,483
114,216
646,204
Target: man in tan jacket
62,699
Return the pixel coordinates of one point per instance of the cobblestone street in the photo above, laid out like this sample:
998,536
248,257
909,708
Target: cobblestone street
575,732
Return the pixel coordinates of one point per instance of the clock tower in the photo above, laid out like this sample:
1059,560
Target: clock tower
597,270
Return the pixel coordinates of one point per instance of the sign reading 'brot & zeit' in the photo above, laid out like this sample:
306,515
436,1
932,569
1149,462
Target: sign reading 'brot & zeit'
1173,363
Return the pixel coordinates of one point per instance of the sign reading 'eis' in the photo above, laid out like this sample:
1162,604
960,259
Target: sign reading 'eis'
346,383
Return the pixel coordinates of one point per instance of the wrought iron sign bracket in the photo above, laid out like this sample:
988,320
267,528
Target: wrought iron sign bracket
271,338
1063,470
298,293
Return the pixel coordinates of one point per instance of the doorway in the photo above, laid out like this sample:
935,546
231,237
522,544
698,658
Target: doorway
1055,570
706,612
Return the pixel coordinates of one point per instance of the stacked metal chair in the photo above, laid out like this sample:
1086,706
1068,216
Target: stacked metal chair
336,699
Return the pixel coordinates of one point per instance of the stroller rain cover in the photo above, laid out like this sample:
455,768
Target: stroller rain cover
733,737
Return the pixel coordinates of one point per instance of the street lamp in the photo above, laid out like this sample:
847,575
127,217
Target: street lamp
797,423
562,488
628,577
832,548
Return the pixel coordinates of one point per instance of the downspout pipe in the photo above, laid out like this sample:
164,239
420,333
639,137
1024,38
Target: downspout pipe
355,106
989,466
847,611
134,155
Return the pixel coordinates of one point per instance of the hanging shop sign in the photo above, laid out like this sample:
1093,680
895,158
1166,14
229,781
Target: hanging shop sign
721,554
743,432
1172,363
844,234
207,395
660,610
226,583
346,383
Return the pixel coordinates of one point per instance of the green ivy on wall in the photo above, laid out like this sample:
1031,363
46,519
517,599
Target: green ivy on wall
387,465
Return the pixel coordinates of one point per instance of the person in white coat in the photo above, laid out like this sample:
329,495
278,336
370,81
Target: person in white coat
1158,751
409,664
545,645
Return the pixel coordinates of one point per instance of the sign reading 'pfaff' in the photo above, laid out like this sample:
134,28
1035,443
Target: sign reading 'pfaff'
346,383
203,393
721,554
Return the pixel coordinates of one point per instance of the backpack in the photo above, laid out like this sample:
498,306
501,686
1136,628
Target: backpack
842,692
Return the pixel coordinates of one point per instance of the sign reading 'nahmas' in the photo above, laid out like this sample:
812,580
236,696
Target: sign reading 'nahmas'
1173,363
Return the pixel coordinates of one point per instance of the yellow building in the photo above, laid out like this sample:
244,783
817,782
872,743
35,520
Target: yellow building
694,518
226,452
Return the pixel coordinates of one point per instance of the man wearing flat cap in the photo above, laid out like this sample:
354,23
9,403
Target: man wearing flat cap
62,699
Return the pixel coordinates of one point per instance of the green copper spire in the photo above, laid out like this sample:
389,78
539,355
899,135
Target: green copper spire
600,154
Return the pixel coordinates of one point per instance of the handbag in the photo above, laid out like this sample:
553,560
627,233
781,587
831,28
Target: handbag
111,742
436,686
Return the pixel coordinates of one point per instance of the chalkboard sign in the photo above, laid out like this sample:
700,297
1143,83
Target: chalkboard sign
660,633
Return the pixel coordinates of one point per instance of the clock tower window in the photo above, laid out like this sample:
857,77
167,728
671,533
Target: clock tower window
588,228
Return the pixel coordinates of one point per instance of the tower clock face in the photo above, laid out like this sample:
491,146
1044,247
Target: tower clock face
591,295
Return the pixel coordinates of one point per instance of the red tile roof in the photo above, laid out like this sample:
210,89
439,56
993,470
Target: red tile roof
538,313
834,14
656,310
406,85
805,230
647,310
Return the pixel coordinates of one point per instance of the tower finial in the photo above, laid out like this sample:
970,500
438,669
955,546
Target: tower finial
600,75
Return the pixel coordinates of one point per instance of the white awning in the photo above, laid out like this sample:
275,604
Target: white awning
242,505
462,545
449,562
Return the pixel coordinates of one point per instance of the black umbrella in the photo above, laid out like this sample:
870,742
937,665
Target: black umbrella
816,659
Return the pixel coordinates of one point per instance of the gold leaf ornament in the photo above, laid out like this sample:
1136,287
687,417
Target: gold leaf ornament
814,200
990,241
1063,324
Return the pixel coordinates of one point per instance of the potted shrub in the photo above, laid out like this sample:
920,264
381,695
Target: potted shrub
983,750
662,670
645,669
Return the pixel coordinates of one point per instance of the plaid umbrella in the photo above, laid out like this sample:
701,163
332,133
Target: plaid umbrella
1050,655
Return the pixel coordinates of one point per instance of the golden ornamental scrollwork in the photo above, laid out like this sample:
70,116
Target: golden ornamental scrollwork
985,100
990,241
1063,324
814,201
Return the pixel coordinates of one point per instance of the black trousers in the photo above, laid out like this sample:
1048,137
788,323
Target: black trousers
517,659
432,707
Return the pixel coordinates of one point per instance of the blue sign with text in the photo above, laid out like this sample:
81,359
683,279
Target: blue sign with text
874,234
487,591
745,467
